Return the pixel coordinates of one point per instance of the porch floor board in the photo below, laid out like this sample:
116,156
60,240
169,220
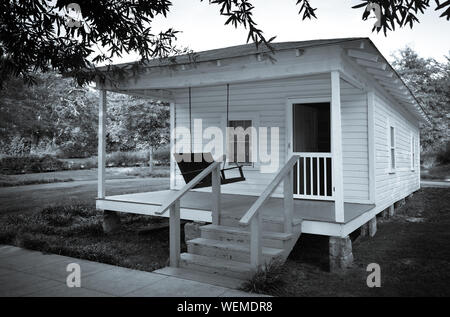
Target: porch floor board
233,204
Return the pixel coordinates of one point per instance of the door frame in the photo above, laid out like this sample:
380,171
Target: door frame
290,102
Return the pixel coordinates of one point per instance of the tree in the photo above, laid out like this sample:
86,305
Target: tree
40,34
137,124
57,112
430,83
54,110
74,118
19,114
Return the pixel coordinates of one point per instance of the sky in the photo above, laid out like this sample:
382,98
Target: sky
203,28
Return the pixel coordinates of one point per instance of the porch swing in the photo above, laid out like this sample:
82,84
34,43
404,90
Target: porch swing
190,169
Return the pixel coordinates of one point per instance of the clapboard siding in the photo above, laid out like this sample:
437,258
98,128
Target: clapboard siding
354,143
265,102
390,187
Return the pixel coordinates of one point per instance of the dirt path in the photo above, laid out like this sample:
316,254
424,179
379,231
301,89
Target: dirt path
35,197
438,184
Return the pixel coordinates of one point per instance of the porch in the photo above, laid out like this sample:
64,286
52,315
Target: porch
316,215
318,116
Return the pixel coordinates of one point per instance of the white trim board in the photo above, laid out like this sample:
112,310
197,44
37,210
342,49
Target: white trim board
150,210
242,115
290,101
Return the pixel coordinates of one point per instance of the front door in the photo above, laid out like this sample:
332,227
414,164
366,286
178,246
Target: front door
311,140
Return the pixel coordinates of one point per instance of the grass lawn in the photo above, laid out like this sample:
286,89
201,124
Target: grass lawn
34,198
412,248
141,243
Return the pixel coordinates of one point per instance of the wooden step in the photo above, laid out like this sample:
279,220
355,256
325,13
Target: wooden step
202,277
269,223
238,252
242,235
216,266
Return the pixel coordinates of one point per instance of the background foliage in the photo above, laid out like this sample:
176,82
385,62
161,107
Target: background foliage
56,116
59,118
36,35
430,83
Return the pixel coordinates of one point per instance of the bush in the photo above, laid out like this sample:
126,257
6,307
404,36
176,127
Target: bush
162,156
24,164
81,164
72,149
268,280
30,164
16,146
50,164
126,159
44,147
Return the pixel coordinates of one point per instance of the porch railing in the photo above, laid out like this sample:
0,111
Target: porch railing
174,205
313,176
253,215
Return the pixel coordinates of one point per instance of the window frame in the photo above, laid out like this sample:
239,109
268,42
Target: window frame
392,146
243,116
413,152
250,144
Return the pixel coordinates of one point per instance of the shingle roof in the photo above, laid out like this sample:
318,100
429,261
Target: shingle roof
246,49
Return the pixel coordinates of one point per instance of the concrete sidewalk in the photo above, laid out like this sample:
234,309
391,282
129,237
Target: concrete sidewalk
31,273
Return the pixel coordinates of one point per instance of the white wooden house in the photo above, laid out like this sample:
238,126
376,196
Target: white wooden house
348,148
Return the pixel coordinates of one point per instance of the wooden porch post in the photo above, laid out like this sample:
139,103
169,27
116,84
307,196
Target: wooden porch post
215,210
172,146
174,234
336,143
256,258
371,144
288,202
418,158
111,220
101,144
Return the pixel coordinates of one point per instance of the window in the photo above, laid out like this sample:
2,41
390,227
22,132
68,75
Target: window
392,148
413,152
239,141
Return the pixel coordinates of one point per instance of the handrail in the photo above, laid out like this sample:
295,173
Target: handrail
197,179
245,220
